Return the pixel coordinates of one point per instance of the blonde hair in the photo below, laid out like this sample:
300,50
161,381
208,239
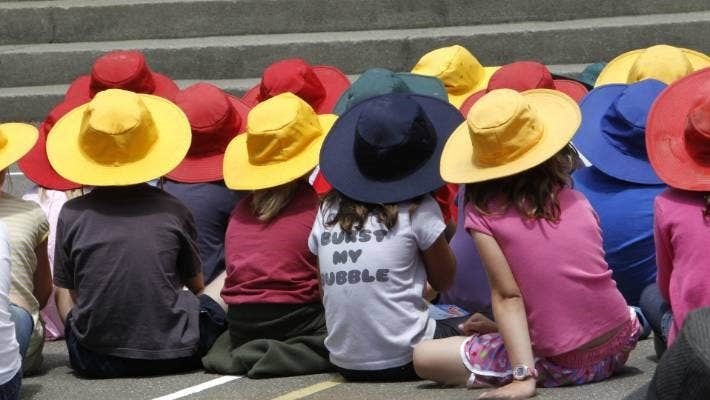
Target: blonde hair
533,192
268,203
70,194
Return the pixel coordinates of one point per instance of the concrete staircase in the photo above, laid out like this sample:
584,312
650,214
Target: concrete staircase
46,44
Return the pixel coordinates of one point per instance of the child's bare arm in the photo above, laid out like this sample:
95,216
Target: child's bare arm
440,264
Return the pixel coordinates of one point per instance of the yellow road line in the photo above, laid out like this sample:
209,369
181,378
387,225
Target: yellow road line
309,390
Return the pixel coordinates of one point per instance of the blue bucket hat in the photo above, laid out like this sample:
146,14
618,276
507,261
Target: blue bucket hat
379,81
612,135
386,149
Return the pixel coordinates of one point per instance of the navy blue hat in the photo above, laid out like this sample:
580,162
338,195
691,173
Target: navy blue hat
612,135
386,149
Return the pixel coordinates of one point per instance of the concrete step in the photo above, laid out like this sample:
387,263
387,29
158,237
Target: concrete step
106,20
32,103
235,57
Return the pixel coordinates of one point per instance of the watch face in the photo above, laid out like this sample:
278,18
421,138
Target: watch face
520,372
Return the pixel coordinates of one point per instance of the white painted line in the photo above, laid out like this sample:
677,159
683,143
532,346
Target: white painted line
198,388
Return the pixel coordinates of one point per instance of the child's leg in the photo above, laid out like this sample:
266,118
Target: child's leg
440,361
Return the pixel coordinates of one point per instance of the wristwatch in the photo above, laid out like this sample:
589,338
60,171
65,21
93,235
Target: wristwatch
523,372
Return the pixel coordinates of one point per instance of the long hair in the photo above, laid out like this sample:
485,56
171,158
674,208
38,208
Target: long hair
268,203
352,214
533,193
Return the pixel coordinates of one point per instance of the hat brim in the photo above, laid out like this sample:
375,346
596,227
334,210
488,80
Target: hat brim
333,80
20,139
598,150
340,169
415,83
559,115
241,174
458,99
36,167
171,145
617,70
209,167
665,128
80,89
571,88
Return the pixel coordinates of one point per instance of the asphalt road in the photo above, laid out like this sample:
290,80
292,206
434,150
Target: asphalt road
58,382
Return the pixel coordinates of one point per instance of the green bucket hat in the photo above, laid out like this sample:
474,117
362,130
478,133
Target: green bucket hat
379,81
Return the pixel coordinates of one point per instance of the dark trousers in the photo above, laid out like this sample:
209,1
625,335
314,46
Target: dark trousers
444,328
10,390
659,316
90,364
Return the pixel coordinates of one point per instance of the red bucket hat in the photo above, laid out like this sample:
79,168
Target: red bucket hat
678,133
215,118
35,164
526,75
126,70
320,86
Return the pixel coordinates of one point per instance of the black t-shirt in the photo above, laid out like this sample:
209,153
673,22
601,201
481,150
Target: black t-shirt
127,252
211,203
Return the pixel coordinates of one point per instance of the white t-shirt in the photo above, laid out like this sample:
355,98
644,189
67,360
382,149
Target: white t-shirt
373,281
10,360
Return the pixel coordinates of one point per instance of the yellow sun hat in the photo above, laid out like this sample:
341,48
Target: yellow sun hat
119,138
282,143
661,62
461,73
507,132
16,140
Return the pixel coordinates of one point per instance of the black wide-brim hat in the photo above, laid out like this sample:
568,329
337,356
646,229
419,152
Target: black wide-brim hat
387,149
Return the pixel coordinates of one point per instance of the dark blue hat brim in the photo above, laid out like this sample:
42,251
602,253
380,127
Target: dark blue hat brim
592,143
338,164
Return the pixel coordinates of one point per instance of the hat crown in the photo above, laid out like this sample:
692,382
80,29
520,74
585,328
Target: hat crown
280,128
502,126
393,138
697,132
3,139
624,122
375,82
212,117
292,75
662,62
122,70
455,66
116,128
521,76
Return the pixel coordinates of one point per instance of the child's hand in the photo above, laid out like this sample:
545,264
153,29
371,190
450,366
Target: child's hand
512,391
478,324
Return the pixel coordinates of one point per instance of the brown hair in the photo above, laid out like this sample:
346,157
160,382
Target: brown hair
706,210
268,203
533,192
353,214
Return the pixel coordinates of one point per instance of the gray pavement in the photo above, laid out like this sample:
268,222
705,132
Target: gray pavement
58,382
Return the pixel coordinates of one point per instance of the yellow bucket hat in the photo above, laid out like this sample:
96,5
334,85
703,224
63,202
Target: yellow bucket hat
458,69
119,138
661,62
507,132
282,143
16,140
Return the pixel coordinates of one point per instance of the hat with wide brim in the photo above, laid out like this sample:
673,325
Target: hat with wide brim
334,82
17,139
170,146
557,112
599,150
413,83
35,164
459,98
617,70
196,168
79,90
339,165
665,138
241,174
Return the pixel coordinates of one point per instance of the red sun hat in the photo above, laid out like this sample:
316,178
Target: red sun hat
526,75
35,164
215,119
678,133
126,70
319,85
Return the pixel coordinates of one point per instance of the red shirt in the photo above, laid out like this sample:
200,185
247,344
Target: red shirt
269,262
